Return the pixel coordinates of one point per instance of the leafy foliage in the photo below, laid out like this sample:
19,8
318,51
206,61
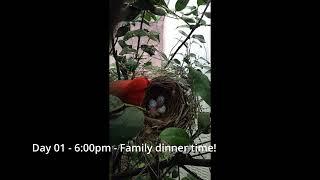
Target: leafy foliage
131,119
181,4
115,103
204,122
201,2
175,136
200,85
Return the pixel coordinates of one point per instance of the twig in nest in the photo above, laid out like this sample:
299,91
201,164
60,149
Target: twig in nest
154,122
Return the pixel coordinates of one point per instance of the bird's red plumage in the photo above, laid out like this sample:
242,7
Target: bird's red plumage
130,91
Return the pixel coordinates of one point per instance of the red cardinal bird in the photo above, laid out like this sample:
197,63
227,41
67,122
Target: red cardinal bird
130,91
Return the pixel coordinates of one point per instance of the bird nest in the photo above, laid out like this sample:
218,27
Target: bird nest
178,100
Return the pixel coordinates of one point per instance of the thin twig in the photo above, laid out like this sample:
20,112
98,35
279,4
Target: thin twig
138,60
201,154
205,142
138,45
114,52
175,44
113,44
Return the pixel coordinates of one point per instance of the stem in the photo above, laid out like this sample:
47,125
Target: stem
138,45
175,45
200,154
113,44
139,37
138,60
114,53
188,37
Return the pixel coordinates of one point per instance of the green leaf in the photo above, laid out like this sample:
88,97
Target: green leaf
123,44
192,7
147,17
183,26
201,2
159,11
131,64
154,35
148,63
175,136
188,20
202,22
200,85
194,12
140,32
163,55
127,50
161,2
150,49
143,4
144,21
175,173
115,103
122,31
203,120
131,13
128,35
181,4
205,60
207,14
187,59
152,16
126,126
199,37
192,55
177,61
193,26
183,33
